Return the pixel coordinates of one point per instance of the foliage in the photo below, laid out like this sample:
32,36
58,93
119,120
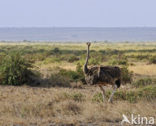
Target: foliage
97,98
118,62
56,51
73,59
79,70
57,80
63,77
72,75
77,97
152,60
15,70
142,82
145,93
126,75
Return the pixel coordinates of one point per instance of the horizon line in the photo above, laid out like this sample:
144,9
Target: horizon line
77,27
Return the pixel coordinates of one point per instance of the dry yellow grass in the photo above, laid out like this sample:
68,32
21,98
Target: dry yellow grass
144,69
43,106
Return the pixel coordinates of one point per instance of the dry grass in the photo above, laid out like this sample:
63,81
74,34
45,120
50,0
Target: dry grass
144,69
42,106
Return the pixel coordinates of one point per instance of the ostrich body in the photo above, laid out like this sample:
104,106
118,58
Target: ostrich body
102,76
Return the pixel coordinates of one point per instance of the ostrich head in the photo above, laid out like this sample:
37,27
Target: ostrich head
88,44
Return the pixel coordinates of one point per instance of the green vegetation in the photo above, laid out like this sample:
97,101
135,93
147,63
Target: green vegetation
126,75
146,93
68,59
15,70
152,60
143,82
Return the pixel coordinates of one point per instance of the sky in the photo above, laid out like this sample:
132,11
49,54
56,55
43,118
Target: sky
77,13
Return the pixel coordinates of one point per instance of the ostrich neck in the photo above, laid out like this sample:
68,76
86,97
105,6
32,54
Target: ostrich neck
86,63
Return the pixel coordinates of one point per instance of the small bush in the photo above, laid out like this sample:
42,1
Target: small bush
142,82
66,78
152,60
56,51
126,75
79,70
78,97
72,75
15,70
97,98
141,57
51,60
72,59
118,62
58,80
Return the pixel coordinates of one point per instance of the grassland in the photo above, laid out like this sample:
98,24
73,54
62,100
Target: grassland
58,94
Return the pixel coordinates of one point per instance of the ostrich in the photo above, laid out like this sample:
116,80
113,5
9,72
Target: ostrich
102,76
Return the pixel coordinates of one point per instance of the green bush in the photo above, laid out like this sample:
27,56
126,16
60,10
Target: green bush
93,61
97,98
73,76
65,78
57,80
118,62
141,57
126,75
51,60
152,60
79,70
56,51
77,97
15,70
73,59
142,82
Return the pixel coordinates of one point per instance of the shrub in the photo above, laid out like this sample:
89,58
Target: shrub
79,70
142,82
66,78
58,80
15,70
97,98
141,57
56,51
118,62
93,61
126,75
72,75
152,60
78,97
73,59
51,60
122,62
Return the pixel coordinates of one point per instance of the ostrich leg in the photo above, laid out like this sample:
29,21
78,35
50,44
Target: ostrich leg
103,92
111,97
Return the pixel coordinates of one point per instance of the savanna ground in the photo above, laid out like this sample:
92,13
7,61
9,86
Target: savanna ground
58,95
